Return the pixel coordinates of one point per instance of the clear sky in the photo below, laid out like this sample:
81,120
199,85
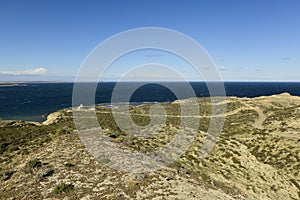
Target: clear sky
247,39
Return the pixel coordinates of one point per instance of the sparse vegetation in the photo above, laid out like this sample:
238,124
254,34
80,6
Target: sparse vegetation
264,155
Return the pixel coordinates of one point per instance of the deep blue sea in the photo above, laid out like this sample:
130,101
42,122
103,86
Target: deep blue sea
34,101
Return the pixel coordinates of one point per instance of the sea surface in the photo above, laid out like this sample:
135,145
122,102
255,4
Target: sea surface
34,101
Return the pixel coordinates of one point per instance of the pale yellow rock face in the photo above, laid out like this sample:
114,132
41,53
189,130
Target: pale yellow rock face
257,156
51,118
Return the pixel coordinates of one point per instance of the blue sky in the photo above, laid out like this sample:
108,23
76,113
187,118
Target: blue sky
248,40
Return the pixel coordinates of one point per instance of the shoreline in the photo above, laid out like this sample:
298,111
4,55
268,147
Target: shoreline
53,116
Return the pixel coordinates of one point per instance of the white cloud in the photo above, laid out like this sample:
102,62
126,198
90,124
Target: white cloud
37,71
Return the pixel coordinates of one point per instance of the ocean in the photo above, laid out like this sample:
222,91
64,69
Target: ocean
34,101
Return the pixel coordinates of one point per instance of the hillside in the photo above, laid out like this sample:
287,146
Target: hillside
256,157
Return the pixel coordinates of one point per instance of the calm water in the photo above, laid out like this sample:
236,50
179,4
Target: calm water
35,100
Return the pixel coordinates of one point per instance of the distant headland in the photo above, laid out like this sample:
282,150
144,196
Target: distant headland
11,84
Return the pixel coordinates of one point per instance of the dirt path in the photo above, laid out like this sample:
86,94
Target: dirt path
261,118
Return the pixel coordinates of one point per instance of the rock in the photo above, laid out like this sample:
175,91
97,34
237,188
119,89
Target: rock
44,173
141,176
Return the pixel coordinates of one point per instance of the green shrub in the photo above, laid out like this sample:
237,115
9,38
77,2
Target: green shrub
69,165
32,164
6,175
63,188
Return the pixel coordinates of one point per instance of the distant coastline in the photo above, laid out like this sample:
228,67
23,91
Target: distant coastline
11,84
25,83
